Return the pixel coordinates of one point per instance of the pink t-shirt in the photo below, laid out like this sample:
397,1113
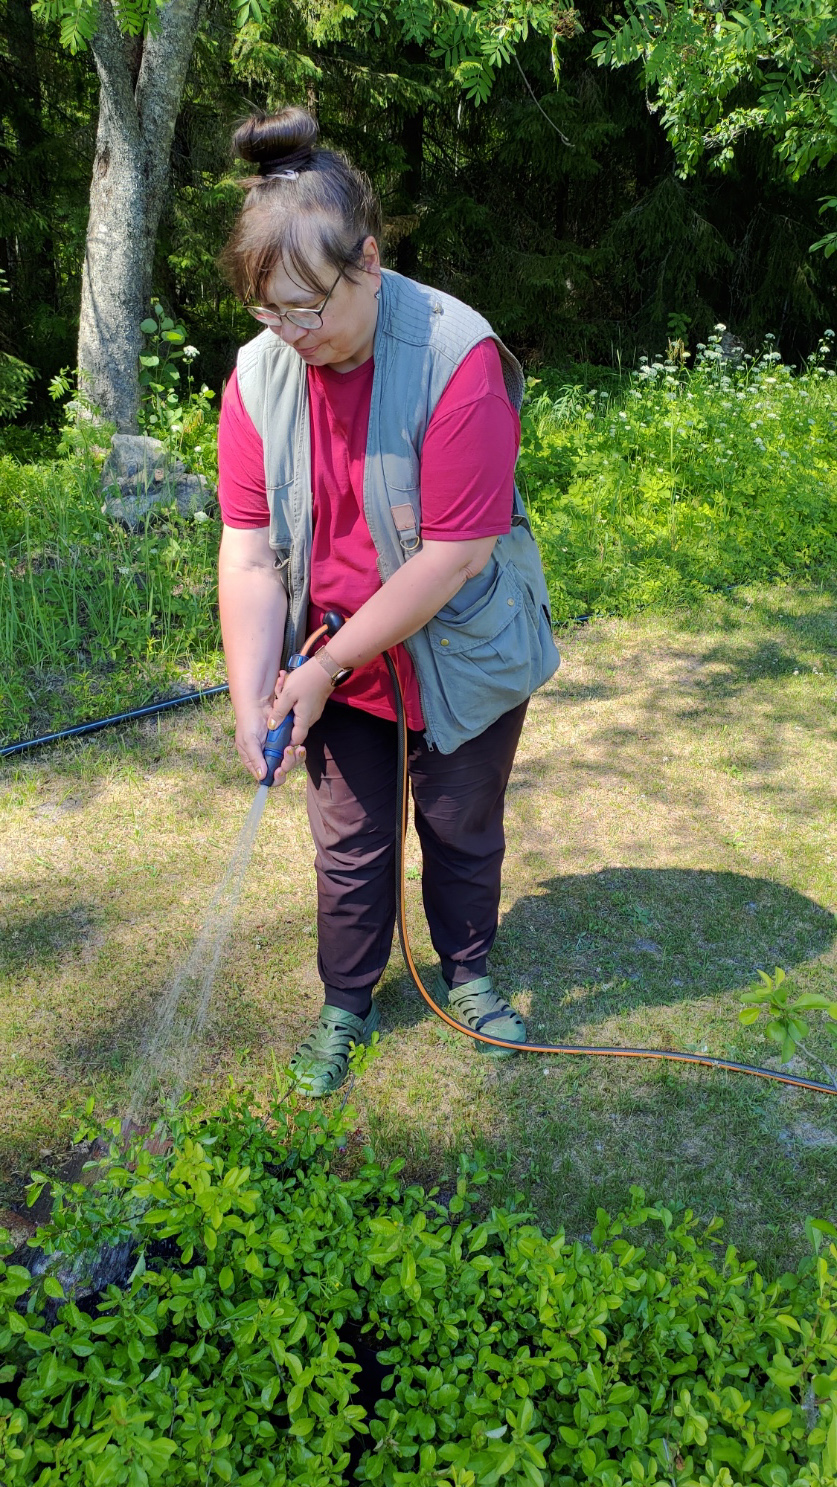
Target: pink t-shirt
467,476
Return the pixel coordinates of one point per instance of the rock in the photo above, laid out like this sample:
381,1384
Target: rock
731,348
20,1228
140,475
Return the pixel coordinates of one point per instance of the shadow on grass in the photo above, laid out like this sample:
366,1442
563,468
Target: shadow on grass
669,951
592,945
46,936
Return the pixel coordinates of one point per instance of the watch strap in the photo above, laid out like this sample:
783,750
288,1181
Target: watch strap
337,673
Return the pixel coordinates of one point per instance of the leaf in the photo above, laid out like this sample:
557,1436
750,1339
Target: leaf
148,328
299,1329
829,1455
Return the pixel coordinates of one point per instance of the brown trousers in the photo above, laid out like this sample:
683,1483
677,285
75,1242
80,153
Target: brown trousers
458,801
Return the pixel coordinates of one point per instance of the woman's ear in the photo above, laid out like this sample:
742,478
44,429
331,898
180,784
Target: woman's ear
371,256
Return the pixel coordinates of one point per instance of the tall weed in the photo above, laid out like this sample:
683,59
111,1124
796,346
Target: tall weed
666,483
94,618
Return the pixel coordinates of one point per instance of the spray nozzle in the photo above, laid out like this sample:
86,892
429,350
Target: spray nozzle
279,738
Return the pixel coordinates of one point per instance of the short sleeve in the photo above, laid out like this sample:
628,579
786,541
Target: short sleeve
242,495
469,454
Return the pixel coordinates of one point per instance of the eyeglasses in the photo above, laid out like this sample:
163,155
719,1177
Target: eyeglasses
304,319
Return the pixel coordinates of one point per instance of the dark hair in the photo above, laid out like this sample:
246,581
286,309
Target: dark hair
304,204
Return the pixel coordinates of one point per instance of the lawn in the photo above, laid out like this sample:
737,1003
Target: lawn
672,827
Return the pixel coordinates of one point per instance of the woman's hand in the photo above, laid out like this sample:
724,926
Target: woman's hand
250,734
305,690
253,607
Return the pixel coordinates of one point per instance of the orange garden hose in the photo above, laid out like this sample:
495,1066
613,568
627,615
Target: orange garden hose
588,1049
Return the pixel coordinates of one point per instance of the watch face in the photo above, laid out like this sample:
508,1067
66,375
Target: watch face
342,675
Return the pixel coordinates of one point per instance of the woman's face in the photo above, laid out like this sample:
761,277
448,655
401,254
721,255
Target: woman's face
344,340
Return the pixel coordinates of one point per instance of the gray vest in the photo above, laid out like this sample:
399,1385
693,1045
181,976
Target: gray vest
491,645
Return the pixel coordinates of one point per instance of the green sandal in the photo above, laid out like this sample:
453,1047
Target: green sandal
321,1061
479,1006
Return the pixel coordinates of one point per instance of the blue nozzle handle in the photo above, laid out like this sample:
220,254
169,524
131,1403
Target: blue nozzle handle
274,747
278,738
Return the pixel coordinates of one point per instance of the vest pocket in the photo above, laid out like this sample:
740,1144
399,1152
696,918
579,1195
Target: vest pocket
486,647
281,516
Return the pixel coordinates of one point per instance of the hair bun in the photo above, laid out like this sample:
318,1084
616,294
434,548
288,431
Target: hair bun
278,142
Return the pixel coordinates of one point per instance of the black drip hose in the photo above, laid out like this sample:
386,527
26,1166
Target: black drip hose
138,712
588,1049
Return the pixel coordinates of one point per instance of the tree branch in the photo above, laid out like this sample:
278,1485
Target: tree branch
116,100
562,137
166,55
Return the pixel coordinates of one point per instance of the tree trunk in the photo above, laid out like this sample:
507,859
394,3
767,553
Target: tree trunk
140,91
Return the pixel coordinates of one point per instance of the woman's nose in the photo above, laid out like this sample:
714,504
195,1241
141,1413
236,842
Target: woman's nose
291,333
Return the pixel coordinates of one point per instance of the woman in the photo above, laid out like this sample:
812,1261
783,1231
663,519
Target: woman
366,455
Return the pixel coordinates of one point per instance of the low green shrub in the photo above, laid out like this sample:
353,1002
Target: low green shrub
664,484
648,1354
786,1024
179,415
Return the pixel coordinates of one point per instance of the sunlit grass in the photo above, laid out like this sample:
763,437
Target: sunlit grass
671,826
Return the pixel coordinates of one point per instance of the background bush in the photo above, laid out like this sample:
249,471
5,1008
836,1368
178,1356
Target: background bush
658,486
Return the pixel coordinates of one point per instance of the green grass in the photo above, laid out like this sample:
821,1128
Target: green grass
672,827
95,619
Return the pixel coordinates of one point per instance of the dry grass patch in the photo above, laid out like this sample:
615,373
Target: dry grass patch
672,826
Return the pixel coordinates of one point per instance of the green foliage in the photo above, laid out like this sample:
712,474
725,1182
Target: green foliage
764,69
661,485
573,251
94,619
15,377
77,19
167,411
786,1025
828,244
471,42
650,1355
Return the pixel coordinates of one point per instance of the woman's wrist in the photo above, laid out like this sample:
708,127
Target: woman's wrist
335,670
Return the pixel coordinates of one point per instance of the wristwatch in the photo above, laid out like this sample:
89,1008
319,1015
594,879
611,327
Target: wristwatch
336,672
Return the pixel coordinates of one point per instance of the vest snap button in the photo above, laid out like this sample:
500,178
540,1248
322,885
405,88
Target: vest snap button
510,601
444,642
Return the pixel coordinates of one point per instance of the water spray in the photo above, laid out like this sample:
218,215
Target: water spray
169,1051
